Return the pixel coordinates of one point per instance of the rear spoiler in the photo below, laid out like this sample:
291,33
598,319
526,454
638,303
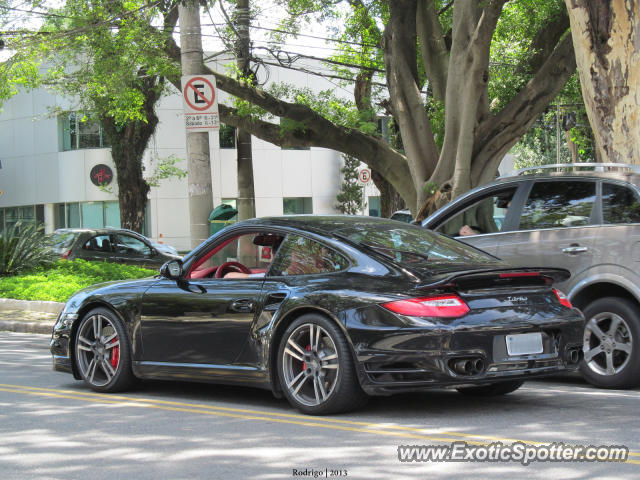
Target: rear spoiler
502,276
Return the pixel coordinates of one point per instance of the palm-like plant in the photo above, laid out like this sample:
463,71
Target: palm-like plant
23,247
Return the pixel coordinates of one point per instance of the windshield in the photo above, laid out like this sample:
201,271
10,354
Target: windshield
417,247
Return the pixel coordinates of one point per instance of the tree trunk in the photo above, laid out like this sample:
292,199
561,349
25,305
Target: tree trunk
606,38
390,200
128,144
246,196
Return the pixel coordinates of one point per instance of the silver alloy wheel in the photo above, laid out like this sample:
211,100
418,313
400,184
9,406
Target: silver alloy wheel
98,350
607,343
310,364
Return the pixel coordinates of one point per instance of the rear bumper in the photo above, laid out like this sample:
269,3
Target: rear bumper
393,360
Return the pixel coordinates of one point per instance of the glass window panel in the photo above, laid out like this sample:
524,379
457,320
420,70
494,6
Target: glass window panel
619,204
92,215
112,214
130,245
558,205
60,217
12,216
483,216
302,256
73,215
99,243
374,206
297,205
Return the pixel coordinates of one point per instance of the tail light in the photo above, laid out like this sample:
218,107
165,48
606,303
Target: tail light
66,254
443,306
562,298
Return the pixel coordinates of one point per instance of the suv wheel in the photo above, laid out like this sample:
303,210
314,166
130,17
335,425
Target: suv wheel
611,343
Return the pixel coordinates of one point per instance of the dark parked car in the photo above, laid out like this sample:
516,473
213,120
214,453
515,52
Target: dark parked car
582,217
324,310
110,245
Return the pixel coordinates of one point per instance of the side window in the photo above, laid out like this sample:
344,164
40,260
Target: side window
301,256
484,216
99,243
131,245
558,204
619,204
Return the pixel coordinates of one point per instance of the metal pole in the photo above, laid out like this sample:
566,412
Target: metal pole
198,162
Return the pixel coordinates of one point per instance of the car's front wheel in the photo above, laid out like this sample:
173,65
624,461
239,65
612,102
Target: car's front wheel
492,390
316,371
611,343
102,352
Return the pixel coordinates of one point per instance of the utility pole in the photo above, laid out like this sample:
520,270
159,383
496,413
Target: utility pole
198,164
246,196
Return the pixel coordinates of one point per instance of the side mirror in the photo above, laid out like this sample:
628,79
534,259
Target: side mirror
172,270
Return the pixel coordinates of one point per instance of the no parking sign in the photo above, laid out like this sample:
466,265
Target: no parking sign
200,103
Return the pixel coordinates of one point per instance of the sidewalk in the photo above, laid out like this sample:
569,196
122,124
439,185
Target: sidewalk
28,317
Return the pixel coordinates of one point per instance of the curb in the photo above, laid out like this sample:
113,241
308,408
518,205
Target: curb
26,327
31,305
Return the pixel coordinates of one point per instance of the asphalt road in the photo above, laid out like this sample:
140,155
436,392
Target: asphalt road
51,426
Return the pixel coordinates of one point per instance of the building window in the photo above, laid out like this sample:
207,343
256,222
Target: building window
88,215
374,206
297,205
30,214
382,127
78,131
227,136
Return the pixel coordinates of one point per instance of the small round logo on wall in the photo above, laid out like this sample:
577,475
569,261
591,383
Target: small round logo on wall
101,175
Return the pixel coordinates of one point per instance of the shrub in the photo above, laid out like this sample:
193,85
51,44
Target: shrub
22,247
61,279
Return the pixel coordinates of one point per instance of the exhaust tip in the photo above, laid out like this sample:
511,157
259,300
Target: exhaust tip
467,366
573,356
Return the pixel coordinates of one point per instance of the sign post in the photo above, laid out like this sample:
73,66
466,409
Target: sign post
200,103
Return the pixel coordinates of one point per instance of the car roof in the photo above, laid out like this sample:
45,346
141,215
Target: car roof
320,223
95,230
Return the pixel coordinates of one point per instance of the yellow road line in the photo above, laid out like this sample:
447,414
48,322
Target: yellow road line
247,414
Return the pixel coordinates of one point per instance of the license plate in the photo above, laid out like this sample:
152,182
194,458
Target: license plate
524,344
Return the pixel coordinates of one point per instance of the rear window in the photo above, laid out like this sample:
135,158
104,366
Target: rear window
417,247
619,204
60,241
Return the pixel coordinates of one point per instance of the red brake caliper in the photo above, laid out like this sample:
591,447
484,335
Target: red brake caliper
115,354
304,364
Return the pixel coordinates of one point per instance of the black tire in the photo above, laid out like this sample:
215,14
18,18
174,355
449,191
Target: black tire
103,359
616,340
303,368
492,390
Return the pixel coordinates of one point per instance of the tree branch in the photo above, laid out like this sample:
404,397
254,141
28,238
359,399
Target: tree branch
545,41
318,131
496,135
435,56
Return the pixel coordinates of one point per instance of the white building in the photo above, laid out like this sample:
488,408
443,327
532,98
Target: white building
46,162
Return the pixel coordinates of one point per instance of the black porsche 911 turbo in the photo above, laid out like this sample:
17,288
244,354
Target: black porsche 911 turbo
324,310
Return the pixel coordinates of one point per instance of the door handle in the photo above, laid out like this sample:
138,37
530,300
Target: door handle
241,306
575,249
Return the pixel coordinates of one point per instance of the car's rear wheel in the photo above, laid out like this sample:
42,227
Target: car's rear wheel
102,352
611,343
315,367
494,389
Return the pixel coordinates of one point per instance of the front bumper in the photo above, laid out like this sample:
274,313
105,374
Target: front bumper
60,343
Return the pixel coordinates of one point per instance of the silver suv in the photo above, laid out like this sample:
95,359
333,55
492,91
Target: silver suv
584,217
